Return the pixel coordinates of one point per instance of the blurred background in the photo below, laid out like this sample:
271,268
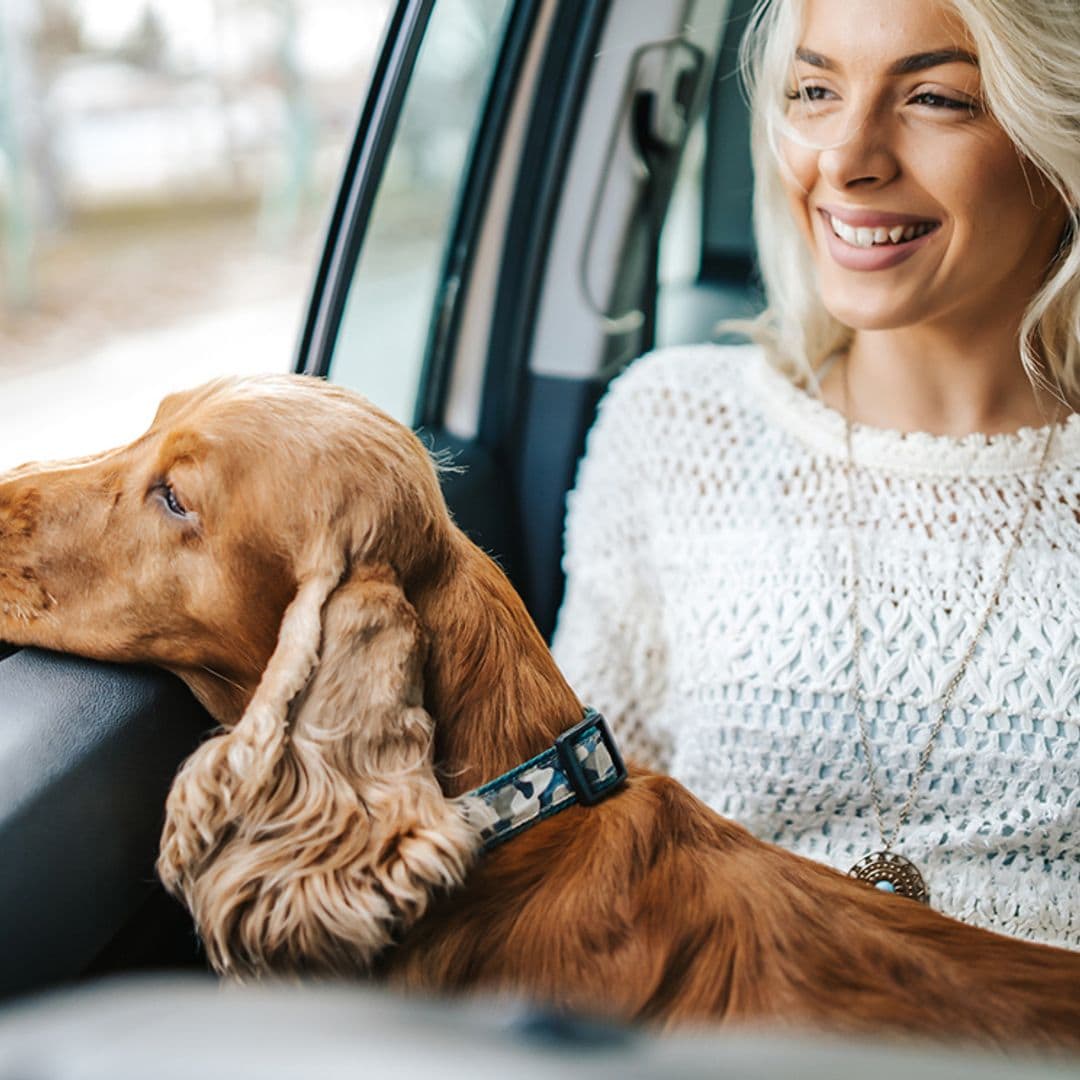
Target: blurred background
166,170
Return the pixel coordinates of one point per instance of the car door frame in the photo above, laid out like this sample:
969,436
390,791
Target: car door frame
518,460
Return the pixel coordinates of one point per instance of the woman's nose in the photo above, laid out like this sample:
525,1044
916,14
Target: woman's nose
862,155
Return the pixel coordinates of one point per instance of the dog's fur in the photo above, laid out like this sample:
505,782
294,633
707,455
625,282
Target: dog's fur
368,665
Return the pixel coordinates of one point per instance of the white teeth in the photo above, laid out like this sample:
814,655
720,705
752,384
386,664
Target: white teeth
864,237
846,232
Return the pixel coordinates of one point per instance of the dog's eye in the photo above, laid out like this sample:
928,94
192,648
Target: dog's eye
175,506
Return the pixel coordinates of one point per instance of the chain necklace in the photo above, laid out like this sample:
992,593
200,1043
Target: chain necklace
886,869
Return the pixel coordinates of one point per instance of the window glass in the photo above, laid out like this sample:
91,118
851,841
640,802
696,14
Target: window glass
165,174
381,343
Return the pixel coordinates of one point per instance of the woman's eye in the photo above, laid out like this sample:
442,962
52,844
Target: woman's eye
940,101
807,92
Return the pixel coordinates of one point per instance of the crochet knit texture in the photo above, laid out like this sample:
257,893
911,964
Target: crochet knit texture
707,616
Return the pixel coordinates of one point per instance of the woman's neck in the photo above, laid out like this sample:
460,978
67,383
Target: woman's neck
917,380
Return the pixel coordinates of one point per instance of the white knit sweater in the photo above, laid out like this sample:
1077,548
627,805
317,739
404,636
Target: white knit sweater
706,615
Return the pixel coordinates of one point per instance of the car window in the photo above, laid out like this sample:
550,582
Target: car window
165,173
382,340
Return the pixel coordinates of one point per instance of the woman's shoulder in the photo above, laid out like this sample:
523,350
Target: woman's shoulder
674,406
695,381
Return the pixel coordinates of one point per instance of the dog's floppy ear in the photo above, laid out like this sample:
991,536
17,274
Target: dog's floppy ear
307,837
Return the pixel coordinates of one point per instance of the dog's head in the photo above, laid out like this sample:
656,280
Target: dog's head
185,547
256,541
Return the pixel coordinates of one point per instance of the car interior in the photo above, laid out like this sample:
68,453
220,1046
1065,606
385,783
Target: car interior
537,193
592,203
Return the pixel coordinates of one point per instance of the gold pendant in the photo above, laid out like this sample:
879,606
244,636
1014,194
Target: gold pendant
891,873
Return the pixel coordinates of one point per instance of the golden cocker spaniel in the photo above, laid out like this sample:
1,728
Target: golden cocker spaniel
283,547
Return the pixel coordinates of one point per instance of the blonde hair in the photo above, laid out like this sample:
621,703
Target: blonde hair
1029,60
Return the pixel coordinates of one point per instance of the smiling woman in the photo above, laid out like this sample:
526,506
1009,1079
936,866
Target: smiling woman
928,121
830,579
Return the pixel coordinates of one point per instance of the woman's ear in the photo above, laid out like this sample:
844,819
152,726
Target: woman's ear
309,849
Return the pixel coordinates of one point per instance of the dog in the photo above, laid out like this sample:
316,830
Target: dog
284,548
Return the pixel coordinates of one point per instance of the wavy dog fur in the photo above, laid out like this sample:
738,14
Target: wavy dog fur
284,548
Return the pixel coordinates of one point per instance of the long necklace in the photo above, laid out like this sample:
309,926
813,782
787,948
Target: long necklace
886,869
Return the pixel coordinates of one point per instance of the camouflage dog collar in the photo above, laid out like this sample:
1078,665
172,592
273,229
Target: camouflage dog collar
584,766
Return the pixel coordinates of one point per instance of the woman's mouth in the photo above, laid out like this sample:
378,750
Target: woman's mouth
870,242
866,237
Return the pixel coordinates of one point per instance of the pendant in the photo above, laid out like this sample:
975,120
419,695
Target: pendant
891,873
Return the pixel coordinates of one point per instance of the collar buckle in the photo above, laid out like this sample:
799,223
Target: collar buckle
579,772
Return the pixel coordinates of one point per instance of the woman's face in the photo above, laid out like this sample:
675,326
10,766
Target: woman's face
914,202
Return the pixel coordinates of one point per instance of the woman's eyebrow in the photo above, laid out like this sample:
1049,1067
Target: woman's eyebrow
904,66
921,61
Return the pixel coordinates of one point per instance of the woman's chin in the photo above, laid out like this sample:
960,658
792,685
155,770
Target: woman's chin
869,313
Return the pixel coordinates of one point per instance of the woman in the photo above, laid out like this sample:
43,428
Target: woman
829,580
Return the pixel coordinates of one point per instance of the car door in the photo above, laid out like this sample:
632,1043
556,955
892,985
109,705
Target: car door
493,258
